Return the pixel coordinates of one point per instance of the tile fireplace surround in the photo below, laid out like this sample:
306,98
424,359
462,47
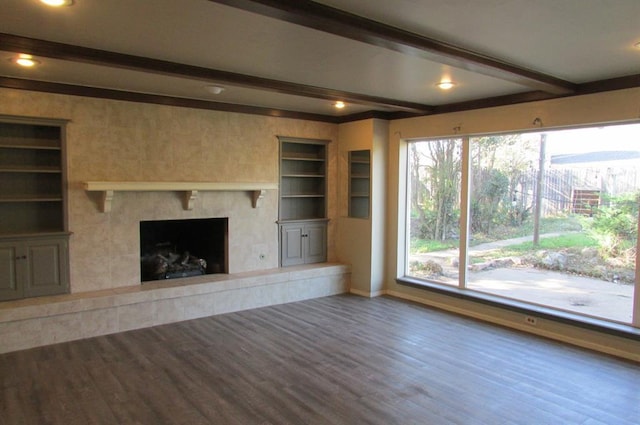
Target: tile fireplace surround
48,320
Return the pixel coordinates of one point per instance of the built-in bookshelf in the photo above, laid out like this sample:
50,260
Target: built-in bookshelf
302,180
359,183
31,178
303,205
33,230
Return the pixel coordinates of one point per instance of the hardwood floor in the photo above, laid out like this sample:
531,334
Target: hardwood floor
334,360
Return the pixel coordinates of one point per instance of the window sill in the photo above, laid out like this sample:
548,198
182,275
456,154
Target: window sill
577,320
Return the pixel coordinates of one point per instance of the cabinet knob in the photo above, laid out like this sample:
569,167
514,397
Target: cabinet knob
21,257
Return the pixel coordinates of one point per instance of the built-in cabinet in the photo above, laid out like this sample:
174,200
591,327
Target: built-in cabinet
359,183
33,233
302,204
303,243
32,267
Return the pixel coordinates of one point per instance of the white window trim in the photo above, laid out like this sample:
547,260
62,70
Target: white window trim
403,230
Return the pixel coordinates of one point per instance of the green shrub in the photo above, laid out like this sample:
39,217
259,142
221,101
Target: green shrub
428,267
490,188
615,226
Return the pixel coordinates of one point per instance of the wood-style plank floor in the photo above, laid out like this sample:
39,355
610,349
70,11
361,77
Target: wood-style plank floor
335,360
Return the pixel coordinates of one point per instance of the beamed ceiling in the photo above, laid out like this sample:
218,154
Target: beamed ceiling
296,58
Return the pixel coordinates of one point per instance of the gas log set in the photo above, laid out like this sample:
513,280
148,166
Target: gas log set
164,262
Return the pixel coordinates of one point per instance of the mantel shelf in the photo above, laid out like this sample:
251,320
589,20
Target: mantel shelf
189,189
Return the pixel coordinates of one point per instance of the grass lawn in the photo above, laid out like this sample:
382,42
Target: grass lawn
547,225
570,240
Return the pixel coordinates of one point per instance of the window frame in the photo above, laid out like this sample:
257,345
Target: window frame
631,330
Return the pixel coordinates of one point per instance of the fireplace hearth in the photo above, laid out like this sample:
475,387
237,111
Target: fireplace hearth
172,249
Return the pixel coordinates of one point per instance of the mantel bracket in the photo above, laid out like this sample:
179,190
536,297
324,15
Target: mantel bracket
189,198
106,198
256,197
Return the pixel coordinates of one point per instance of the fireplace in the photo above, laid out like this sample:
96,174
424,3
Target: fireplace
183,248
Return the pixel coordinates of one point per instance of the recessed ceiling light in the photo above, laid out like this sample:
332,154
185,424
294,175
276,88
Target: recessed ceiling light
57,3
446,85
214,89
339,104
637,45
25,60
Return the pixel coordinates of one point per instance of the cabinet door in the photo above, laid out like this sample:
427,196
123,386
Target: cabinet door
291,245
315,236
47,272
10,286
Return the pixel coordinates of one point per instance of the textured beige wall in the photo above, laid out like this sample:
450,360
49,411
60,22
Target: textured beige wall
126,141
361,241
353,241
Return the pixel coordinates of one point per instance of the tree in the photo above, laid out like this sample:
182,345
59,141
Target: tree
435,187
443,180
499,164
488,195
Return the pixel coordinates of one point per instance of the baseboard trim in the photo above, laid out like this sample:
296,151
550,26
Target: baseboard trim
565,337
367,294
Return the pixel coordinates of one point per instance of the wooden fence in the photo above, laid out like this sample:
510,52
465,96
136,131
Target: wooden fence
577,190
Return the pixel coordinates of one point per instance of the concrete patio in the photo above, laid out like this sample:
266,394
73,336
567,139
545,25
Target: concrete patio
583,295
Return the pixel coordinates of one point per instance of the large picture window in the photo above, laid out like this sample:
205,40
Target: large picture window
549,218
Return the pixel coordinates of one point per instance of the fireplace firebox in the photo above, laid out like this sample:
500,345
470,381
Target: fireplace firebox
183,248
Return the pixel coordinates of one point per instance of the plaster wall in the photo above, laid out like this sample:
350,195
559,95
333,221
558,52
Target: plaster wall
361,241
354,234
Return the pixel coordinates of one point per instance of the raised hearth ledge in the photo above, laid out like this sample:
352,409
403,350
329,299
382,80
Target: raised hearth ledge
47,320
190,190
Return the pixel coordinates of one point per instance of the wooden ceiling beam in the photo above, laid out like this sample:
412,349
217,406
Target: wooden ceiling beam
67,52
102,93
334,21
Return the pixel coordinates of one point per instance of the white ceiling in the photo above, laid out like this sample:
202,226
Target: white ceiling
579,41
